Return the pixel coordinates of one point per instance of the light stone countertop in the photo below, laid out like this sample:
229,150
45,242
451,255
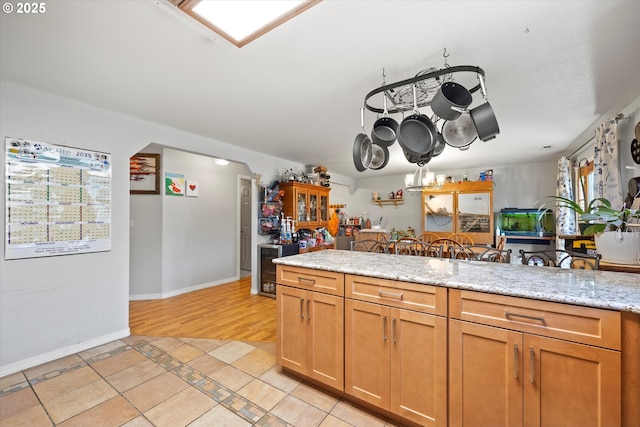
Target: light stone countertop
602,289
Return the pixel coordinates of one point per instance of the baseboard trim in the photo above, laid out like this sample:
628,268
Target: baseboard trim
21,365
163,295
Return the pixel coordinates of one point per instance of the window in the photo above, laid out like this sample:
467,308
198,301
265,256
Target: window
585,184
241,22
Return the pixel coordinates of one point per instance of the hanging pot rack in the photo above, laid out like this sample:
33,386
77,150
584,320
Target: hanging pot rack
427,84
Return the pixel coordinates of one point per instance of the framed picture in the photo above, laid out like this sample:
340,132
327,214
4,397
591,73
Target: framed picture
144,174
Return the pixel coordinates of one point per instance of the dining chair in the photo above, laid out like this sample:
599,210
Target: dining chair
369,246
482,253
560,258
448,245
428,237
417,248
463,239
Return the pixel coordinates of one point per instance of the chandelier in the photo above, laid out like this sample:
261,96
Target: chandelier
453,119
423,179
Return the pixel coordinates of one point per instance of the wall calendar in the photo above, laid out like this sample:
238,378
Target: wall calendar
57,200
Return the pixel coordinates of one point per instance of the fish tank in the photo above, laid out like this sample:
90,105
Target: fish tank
527,222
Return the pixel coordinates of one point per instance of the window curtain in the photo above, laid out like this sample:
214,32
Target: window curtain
606,166
565,218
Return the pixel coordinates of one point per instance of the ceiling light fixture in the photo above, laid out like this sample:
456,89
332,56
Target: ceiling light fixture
241,22
423,179
221,162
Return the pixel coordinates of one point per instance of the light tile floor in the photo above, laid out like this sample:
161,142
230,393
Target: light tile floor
153,381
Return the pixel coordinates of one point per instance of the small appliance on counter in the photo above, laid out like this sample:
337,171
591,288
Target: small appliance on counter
266,267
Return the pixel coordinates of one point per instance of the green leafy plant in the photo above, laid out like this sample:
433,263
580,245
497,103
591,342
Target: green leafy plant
598,214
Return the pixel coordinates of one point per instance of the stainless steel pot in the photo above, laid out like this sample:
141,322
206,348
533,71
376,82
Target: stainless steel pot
379,157
460,132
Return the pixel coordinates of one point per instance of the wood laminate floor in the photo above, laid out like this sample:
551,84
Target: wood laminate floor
226,312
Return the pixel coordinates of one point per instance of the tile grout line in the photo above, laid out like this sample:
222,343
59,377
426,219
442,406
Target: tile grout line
228,398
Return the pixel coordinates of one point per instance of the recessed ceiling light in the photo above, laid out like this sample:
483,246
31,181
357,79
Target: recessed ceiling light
241,22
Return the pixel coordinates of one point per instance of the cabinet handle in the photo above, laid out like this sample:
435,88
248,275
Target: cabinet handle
384,328
393,329
306,279
531,367
515,361
389,294
524,316
301,308
308,312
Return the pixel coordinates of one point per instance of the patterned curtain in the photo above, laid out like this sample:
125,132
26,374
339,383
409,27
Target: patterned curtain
565,218
607,165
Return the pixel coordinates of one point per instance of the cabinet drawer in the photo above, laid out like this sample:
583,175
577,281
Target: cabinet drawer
584,325
410,296
327,282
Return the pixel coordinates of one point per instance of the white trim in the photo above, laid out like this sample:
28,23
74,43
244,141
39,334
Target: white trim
30,362
163,295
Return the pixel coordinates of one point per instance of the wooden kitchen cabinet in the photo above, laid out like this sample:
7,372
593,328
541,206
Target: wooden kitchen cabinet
504,371
463,207
307,204
310,324
395,358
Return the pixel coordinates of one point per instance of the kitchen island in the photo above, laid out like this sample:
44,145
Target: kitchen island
462,343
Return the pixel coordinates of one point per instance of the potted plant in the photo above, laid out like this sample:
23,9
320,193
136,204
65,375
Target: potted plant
610,227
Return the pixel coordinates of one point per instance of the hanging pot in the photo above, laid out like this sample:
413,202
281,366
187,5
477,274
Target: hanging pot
379,157
384,129
362,148
421,160
483,117
362,152
460,132
417,135
485,121
449,99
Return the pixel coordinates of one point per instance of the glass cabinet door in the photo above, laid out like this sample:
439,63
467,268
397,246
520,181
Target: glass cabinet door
301,207
474,213
324,208
438,212
313,206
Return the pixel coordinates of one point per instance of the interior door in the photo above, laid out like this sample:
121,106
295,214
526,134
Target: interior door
245,224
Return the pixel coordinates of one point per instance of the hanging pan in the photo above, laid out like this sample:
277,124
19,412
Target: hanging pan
385,128
362,148
483,117
417,135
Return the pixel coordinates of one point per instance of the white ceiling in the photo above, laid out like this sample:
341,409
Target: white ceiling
553,69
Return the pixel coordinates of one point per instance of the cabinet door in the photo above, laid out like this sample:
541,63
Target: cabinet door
419,367
438,212
323,207
302,206
475,216
313,206
291,351
569,384
367,333
326,344
485,376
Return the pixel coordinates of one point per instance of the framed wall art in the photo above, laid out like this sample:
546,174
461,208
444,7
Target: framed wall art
144,174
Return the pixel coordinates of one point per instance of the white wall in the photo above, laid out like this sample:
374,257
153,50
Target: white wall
51,307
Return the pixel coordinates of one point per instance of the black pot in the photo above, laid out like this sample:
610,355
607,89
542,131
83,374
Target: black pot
485,121
450,95
418,159
384,131
439,147
417,135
